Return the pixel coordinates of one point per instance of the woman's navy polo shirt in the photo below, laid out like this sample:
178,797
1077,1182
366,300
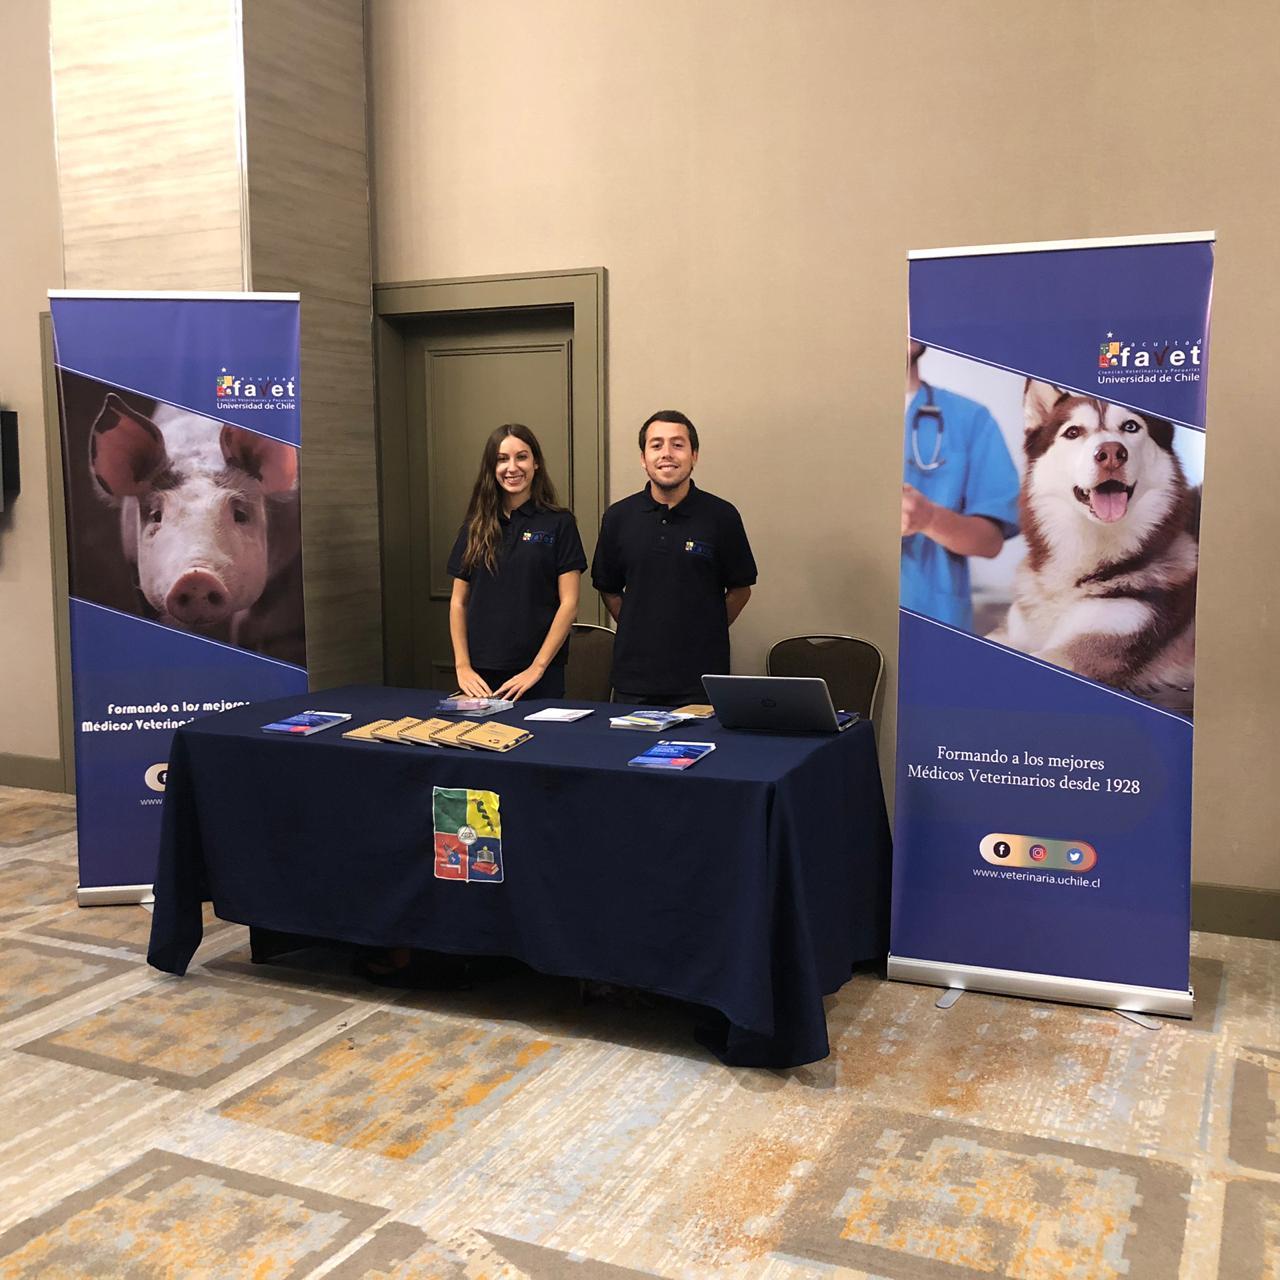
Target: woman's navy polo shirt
672,566
509,611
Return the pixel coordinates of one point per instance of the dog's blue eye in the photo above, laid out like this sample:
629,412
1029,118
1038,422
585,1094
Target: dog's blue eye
1130,426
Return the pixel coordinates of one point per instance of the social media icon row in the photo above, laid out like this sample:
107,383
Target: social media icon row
1038,852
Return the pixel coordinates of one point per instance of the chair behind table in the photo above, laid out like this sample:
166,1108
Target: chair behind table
586,677
852,667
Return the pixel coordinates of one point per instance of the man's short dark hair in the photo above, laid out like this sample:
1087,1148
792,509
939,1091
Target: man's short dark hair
670,415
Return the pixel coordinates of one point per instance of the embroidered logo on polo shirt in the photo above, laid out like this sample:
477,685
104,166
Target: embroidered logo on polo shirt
537,535
699,549
468,834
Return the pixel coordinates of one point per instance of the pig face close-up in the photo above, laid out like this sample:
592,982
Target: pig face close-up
193,498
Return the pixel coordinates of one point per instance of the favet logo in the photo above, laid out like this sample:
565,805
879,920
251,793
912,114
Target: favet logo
1154,360
237,391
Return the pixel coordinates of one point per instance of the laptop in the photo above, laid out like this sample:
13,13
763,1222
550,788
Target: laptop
776,704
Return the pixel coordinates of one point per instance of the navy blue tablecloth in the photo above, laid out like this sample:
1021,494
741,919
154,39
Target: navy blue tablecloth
751,883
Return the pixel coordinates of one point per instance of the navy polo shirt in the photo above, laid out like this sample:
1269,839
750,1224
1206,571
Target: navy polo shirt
672,566
509,611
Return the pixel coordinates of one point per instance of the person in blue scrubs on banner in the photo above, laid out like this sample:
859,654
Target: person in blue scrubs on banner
959,496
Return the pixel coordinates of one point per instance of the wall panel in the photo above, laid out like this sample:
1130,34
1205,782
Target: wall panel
304,72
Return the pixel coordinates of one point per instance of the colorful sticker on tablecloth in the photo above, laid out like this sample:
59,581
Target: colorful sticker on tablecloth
468,834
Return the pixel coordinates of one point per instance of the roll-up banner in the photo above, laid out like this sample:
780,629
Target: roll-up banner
1053,466
180,442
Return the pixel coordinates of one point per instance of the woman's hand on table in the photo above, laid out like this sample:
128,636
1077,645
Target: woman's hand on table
473,685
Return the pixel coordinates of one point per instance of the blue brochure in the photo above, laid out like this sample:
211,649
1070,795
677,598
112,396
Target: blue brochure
305,722
672,755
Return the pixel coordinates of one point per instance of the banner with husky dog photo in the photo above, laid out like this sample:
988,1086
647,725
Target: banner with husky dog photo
181,449
1053,461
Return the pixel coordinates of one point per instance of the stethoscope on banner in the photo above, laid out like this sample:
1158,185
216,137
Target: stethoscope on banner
931,411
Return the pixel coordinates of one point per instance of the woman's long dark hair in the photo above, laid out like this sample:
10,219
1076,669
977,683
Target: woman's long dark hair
484,533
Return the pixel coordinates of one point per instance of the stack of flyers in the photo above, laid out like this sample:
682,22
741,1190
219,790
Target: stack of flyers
672,755
474,707
651,718
561,715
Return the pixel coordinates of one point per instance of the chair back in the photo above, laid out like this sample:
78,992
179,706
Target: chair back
586,677
853,668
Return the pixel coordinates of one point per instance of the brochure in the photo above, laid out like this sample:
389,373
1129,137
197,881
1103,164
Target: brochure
695,711
647,718
561,715
460,706
307,722
672,755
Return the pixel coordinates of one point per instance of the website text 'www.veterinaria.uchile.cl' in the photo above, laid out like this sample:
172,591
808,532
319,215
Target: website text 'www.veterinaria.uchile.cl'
1075,882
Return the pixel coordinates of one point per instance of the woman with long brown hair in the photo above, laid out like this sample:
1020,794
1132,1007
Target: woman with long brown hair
516,566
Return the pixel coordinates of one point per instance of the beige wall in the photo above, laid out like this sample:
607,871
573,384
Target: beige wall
30,251
752,174
149,143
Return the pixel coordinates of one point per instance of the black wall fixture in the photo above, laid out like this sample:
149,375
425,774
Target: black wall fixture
9,483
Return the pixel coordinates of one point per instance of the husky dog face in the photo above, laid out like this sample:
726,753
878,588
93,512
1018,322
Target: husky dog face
1096,471
1108,585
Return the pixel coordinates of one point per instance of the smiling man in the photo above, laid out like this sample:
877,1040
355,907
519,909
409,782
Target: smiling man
675,569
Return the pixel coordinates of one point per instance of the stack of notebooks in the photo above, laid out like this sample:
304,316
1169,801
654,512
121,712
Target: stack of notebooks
442,733
656,718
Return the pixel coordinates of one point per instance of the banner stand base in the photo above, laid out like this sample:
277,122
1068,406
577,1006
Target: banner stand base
1043,986
114,895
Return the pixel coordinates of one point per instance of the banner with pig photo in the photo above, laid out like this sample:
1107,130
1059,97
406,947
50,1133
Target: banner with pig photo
1053,460
180,443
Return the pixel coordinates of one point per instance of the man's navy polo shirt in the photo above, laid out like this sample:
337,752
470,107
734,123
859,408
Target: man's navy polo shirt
672,566
509,611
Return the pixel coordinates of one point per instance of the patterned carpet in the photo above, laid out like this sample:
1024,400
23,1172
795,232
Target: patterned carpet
288,1120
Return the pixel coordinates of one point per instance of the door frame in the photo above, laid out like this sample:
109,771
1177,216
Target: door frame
397,307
